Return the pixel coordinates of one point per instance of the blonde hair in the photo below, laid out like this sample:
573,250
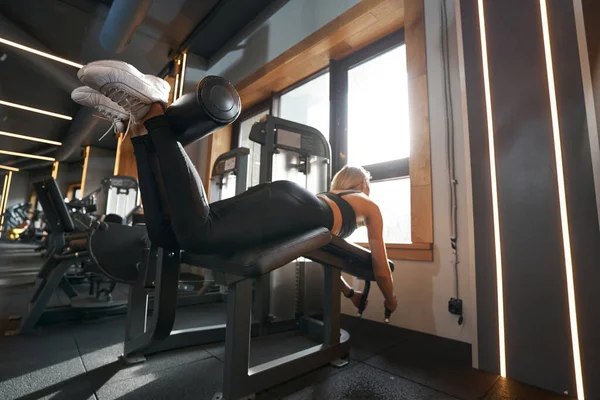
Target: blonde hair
350,177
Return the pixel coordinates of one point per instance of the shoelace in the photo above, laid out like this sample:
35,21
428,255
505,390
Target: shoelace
112,117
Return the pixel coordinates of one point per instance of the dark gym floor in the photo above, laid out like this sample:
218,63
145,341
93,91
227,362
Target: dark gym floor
78,360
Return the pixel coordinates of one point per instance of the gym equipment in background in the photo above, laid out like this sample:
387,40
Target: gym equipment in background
118,195
298,153
66,249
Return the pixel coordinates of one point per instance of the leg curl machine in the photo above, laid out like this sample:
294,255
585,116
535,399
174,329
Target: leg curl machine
215,104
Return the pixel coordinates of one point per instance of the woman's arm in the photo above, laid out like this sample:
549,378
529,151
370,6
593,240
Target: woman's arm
383,274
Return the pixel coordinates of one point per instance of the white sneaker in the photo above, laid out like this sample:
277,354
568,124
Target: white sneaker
125,85
89,97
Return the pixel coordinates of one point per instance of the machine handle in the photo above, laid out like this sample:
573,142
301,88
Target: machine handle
388,314
363,299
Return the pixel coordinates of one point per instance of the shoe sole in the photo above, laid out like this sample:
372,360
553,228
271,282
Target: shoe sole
117,110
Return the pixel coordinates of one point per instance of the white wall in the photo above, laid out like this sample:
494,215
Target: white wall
424,288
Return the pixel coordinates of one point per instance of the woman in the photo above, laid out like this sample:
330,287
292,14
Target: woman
185,220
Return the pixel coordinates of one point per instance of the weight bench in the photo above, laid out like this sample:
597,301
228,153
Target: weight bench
157,278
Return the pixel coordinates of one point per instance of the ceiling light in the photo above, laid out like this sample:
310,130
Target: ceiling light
25,155
33,139
36,110
6,167
39,53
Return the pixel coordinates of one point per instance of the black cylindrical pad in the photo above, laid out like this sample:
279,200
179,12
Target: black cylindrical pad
214,104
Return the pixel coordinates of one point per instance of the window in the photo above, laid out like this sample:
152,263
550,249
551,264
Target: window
378,125
308,104
254,157
393,198
377,134
366,94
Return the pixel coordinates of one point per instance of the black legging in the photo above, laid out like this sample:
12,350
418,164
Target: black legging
182,217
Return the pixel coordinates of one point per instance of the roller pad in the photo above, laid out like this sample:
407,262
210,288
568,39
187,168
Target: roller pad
213,105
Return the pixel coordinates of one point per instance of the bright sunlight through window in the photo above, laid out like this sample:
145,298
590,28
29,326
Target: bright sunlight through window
378,124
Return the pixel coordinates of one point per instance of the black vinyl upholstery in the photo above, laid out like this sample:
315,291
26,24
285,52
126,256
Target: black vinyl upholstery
318,245
54,206
262,260
350,258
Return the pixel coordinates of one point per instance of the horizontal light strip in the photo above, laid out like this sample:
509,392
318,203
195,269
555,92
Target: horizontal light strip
494,184
39,53
25,155
33,139
6,167
36,110
562,198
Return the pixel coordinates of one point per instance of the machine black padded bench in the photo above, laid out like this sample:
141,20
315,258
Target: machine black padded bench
157,277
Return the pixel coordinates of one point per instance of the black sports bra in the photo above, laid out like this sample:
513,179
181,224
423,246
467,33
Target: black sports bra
348,215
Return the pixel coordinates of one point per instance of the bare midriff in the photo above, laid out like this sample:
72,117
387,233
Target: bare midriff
337,214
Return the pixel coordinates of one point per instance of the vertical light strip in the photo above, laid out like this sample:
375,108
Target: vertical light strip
86,156
175,88
494,183
6,191
2,201
118,155
55,169
562,198
183,73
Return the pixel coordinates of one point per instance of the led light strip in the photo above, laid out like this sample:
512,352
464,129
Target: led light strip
494,184
118,155
55,169
39,53
35,110
175,97
562,198
85,168
5,192
33,139
25,155
183,74
6,167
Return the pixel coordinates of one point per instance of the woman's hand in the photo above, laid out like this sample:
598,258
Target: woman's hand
356,299
391,306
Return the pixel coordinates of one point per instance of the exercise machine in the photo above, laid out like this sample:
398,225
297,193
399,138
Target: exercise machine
66,249
215,104
298,153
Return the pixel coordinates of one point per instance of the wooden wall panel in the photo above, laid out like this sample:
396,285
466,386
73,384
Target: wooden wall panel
420,148
127,165
363,24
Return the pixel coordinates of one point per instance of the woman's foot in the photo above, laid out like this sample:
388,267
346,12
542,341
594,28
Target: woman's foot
126,86
89,97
